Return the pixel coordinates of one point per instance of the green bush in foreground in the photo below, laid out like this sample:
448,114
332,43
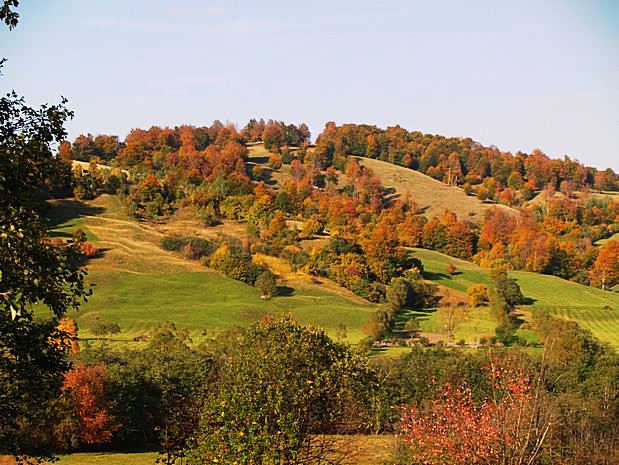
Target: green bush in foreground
281,388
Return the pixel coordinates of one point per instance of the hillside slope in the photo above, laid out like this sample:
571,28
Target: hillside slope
431,195
138,285
592,308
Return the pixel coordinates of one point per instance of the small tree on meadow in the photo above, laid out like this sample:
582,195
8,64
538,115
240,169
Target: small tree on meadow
507,288
478,295
412,326
341,332
266,284
451,269
451,313
397,293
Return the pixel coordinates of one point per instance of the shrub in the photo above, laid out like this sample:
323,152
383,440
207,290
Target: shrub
172,244
209,216
397,293
235,262
478,295
89,250
275,162
507,288
422,294
266,284
451,269
193,248
103,327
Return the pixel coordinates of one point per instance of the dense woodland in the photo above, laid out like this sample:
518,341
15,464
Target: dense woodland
277,392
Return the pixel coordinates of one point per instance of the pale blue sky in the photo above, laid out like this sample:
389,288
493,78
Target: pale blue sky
518,75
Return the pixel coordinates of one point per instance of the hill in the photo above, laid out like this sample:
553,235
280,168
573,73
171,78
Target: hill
138,285
432,196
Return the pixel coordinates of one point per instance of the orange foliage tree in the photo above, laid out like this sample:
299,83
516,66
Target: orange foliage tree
605,270
86,387
68,328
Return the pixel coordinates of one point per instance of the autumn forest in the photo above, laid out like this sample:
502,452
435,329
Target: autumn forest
252,293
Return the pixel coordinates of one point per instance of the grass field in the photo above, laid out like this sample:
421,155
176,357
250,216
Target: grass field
433,196
592,308
614,237
138,285
360,450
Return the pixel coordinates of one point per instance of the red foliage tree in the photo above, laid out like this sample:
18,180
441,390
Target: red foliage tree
508,427
85,387
498,227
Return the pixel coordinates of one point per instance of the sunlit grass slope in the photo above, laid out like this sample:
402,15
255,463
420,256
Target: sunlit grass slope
592,308
138,285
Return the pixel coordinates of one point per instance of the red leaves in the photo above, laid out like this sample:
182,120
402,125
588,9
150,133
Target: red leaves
88,249
86,388
454,429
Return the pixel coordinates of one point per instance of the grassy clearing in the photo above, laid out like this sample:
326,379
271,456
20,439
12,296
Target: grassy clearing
109,458
258,155
207,303
614,237
138,285
592,308
431,195
361,450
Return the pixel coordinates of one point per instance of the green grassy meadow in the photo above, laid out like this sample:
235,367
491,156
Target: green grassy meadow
592,308
206,303
362,450
109,458
138,285
614,237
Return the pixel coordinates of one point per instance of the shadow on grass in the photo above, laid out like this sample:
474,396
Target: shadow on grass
266,175
262,160
435,276
406,314
378,350
67,210
284,291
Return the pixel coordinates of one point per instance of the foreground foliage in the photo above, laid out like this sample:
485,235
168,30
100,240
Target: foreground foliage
32,268
281,388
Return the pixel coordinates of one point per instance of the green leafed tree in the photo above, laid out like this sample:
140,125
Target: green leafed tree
397,293
32,268
266,284
283,389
